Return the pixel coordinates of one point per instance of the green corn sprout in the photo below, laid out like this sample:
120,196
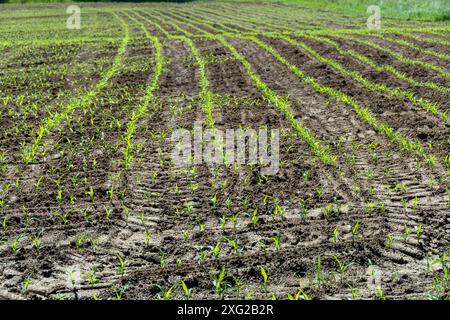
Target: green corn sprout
218,283
418,231
185,234
335,235
63,216
187,207
119,294
59,196
147,236
126,212
91,194
14,245
355,292
265,278
4,224
36,240
276,239
223,222
79,243
162,260
110,193
107,212
343,266
234,245
415,203
214,201
25,285
380,294
319,272
92,277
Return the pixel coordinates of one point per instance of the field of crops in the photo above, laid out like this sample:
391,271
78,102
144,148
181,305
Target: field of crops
92,206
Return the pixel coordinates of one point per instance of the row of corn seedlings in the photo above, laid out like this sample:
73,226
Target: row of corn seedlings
395,137
282,103
396,55
143,106
413,46
205,94
381,67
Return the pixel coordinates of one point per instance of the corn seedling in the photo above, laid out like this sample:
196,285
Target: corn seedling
389,241
64,216
91,194
164,295
92,277
233,220
125,212
79,243
418,230
25,286
4,224
355,292
187,207
162,260
119,294
276,240
223,222
185,234
335,235
122,265
355,232
343,266
234,245
147,236
214,201
216,250
107,212
405,232
254,218
380,294
187,291
36,240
